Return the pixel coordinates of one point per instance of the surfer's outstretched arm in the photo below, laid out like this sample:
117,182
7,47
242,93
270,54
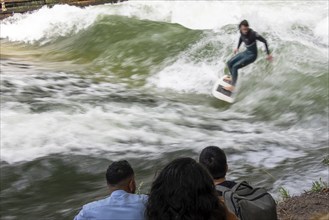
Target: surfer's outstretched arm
262,39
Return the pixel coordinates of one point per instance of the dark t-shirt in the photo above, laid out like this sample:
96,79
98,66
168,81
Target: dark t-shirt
228,184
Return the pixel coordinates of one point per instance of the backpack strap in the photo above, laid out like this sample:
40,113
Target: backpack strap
227,193
234,188
222,188
244,183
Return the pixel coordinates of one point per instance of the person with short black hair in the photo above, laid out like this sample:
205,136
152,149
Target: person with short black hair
246,201
214,159
122,204
249,37
184,190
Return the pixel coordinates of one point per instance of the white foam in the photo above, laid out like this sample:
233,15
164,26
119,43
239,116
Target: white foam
184,77
322,30
62,20
46,23
26,136
110,126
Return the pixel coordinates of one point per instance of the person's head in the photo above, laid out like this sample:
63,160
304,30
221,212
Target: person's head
214,159
244,27
120,175
184,190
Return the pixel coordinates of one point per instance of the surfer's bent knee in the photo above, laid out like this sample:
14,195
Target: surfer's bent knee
229,64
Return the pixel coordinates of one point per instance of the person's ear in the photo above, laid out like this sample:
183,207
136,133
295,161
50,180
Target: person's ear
132,185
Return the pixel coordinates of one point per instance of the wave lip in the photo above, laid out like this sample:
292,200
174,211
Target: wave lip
47,23
62,20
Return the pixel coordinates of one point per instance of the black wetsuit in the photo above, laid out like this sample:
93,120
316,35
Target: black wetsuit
248,56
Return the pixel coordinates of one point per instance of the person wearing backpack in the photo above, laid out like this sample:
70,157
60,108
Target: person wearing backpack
247,202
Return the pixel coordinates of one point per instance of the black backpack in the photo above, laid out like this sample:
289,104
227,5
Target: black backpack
249,203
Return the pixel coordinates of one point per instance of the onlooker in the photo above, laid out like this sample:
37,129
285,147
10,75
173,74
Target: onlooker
184,190
122,204
214,159
247,202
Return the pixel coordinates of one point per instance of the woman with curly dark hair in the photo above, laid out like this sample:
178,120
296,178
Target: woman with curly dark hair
185,191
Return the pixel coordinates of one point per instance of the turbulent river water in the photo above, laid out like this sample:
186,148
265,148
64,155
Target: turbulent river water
81,87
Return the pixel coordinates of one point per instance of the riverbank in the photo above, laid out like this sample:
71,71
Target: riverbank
308,206
10,7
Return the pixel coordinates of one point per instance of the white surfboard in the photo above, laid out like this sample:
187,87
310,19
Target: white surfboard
220,93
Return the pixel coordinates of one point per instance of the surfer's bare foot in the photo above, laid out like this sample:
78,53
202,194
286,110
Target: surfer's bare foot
229,88
227,79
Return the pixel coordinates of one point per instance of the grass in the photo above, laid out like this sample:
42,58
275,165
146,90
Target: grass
319,186
284,193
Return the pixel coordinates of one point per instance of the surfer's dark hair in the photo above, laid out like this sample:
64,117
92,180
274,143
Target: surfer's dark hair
244,23
184,190
118,171
214,159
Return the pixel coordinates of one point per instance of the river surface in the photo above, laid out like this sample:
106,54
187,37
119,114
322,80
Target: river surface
83,87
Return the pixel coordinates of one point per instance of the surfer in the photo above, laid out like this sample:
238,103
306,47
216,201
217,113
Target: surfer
249,37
